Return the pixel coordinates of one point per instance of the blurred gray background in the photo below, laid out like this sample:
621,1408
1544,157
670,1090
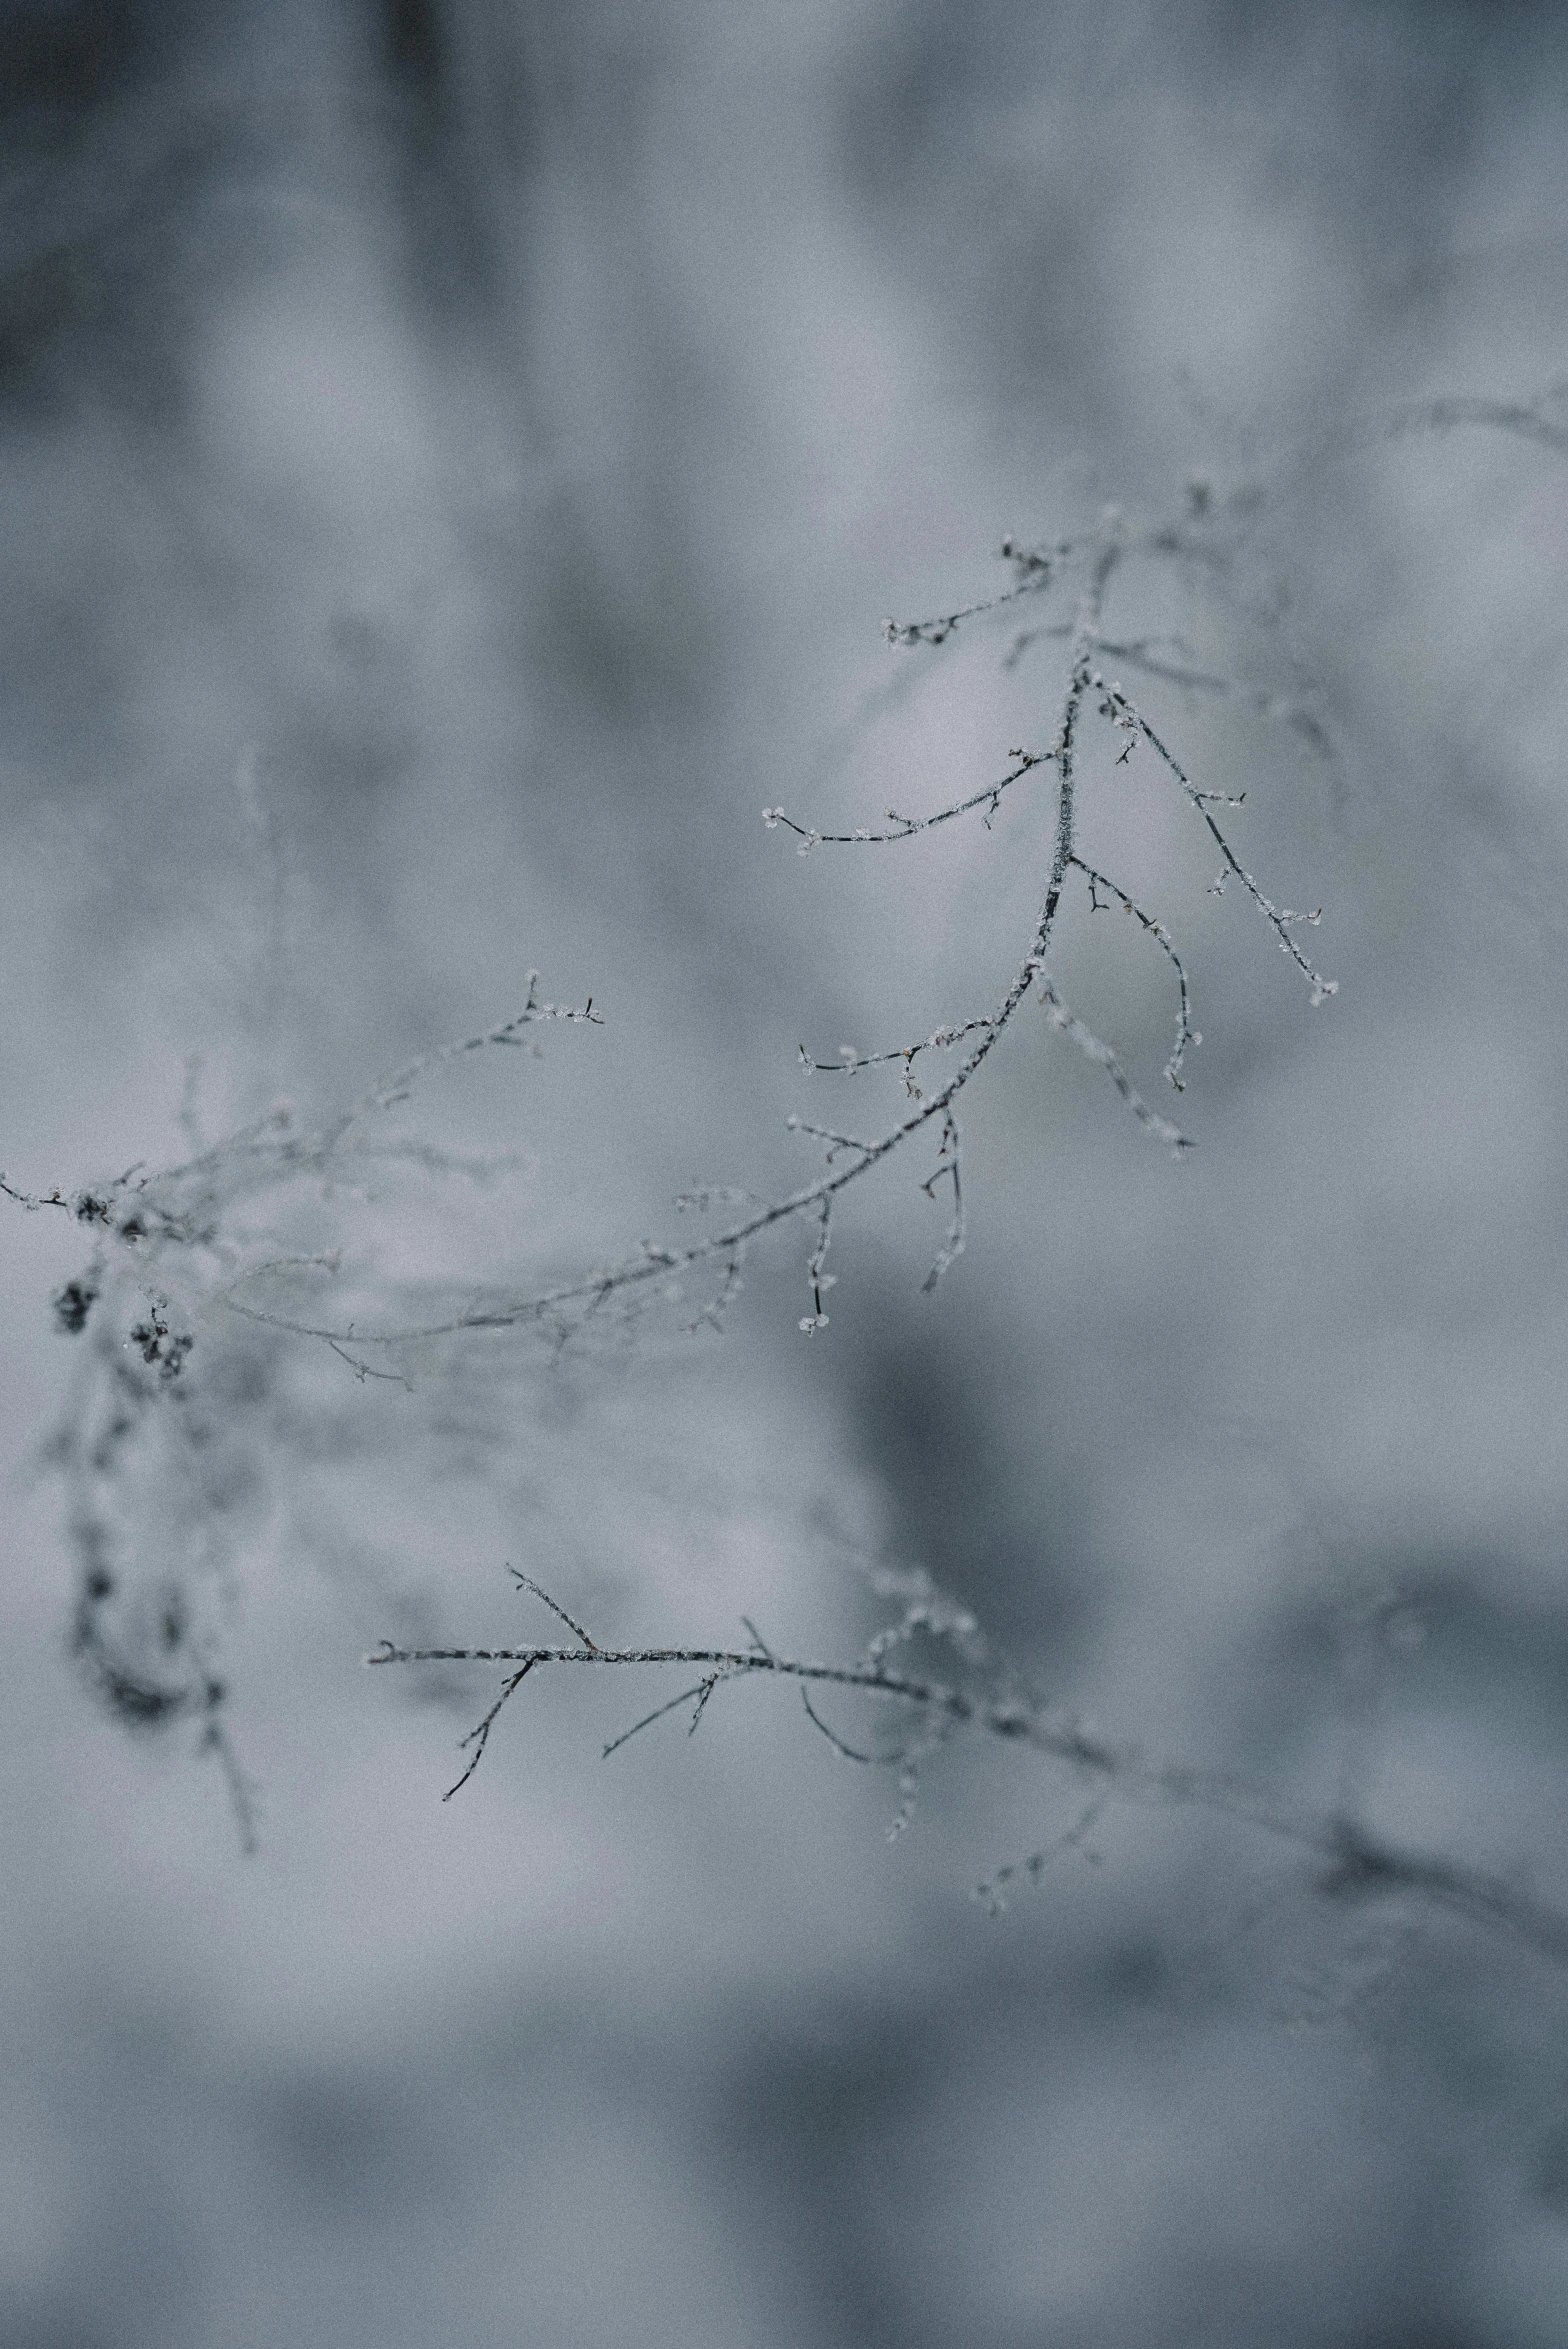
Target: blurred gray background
456,457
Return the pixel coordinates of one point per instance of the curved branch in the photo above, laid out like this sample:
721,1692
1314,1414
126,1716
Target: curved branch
635,1272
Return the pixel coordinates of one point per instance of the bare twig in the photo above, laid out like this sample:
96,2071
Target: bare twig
1186,1033
527,1582
851,1753
949,1169
1280,918
1102,1055
479,1736
850,1061
648,1719
637,1272
1203,538
389,1091
30,1202
1035,569
816,1263
1357,1862
909,827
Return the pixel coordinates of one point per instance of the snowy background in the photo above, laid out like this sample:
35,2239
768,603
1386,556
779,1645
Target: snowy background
456,459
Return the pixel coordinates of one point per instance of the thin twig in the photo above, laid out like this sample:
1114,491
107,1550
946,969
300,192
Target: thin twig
1358,1863
1186,1034
851,1753
479,1736
1089,1044
635,1272
1280,918
950,1169
397,1087
647,1720
30,1202
527,1582
1037,569
850,1061
909,826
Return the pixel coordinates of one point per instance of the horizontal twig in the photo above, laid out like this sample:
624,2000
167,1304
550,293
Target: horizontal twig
1357,1861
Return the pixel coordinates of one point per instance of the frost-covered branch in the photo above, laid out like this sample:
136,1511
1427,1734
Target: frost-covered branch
983,1697
850,1158
910,827
196,1263
1279,918
652,1270
157,1441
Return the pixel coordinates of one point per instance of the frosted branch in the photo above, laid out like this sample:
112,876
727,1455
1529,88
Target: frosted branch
1279,918
1356,1862
909,827
1036,569
948,1170
849,1060
1104,1057
1186,1033
635,1273
397,1087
